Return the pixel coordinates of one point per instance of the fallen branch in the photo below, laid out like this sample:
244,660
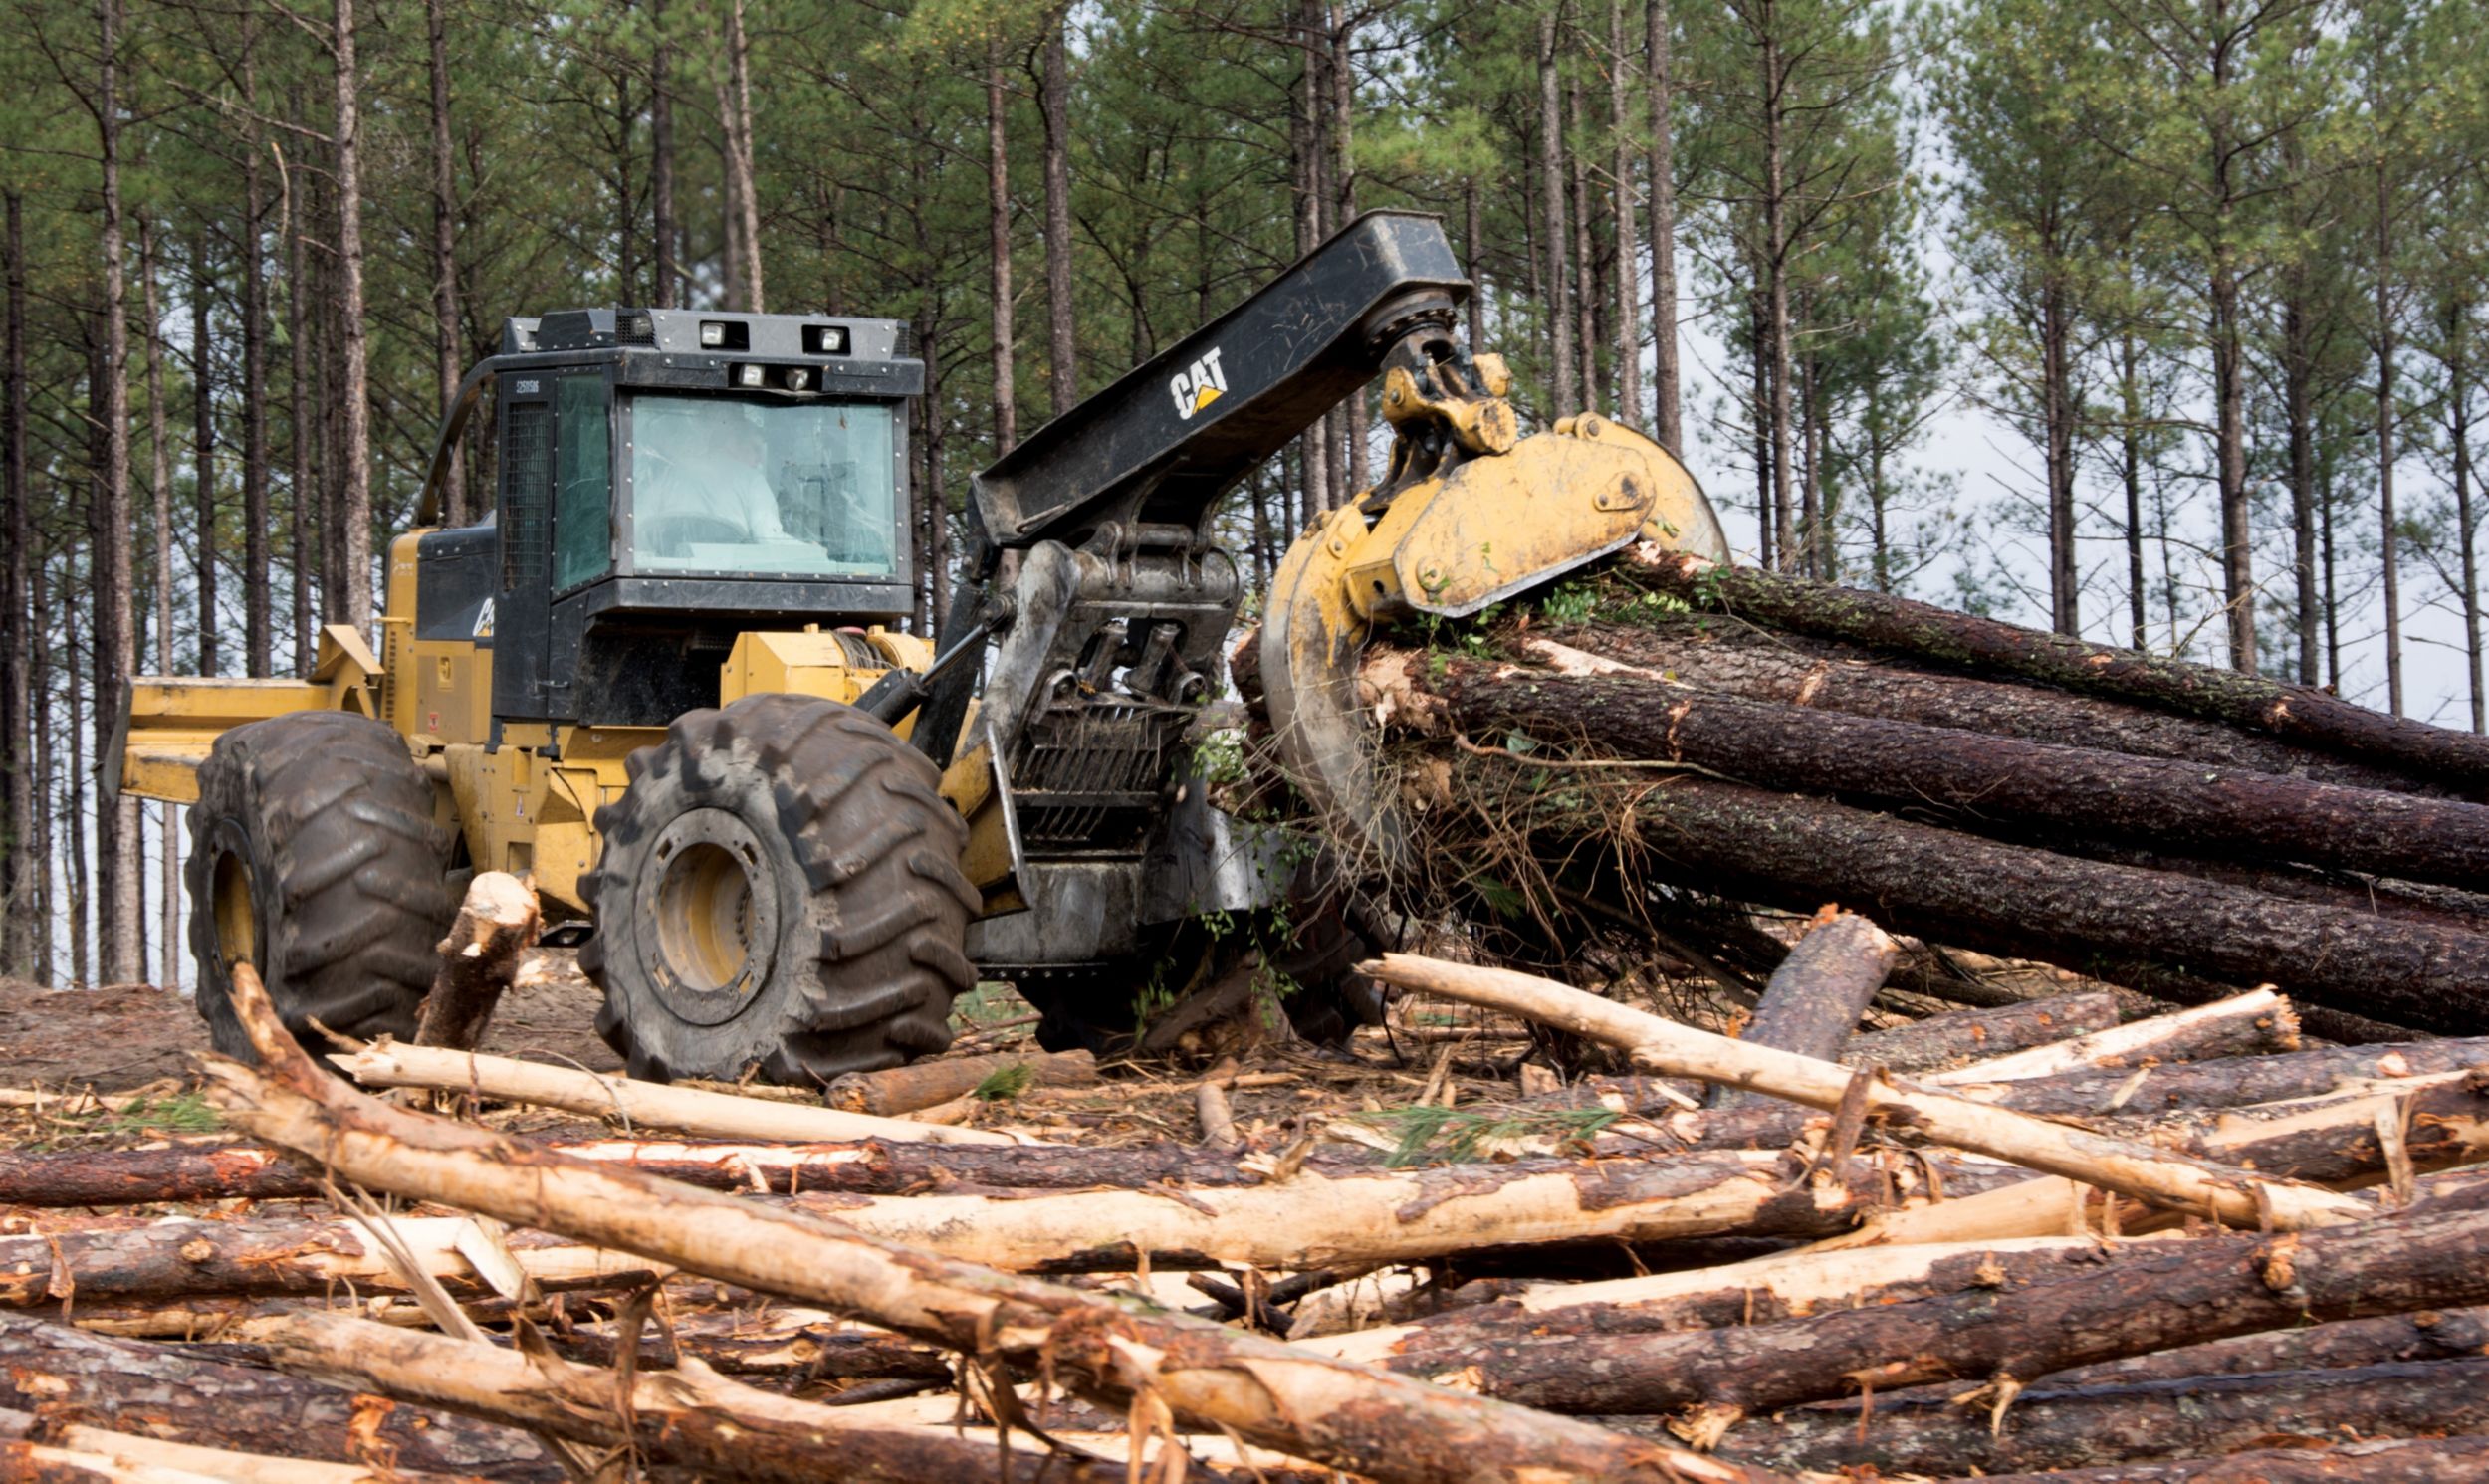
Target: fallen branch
2251,1024
650,1105
1282,1398
2234,1197
1818,993
929,1084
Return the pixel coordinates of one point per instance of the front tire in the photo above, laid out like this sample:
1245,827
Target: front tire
314,858
779,892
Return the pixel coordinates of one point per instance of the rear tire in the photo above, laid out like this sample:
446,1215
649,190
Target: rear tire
314,858
779,892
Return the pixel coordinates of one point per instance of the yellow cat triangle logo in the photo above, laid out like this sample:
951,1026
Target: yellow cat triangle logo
1204,397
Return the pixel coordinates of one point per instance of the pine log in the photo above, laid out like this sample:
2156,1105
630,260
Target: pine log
2154,1297
1711,654
929,1084
1376,1215
36,1450
2299,715
1266,1393
2230,1195
2052,1428
1815,998
2232,1082
2376,896
2345,1345
1994,785
688,1417
69,1377
2426,1460
810,1344
261,1256
638,1103
1954,1038
2009,899
496,925
2251,1024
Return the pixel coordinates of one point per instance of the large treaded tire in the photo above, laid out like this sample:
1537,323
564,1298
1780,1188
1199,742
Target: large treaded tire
313,857
853,913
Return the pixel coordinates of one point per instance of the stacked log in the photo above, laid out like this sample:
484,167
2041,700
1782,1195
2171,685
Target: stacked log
1775,743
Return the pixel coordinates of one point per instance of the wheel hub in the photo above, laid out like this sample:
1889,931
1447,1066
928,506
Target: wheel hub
711,911
235,916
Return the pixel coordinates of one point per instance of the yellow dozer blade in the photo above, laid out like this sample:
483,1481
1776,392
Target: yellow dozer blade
1467,535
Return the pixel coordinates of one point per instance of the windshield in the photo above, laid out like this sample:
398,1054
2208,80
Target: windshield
790,488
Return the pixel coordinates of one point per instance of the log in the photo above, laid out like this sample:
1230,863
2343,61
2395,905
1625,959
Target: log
260,1257
496,925
2434,1460
2232,1082
1376,1215
1266,1393
2156,1296
1954,1038
810,1344
2063,1428
2345,1345
2301,715
70,1377
689,1418
2230,1195
638,1103
1815,998
2251,1024
929,1084
33,1449
1961,889
1738,660
1994,785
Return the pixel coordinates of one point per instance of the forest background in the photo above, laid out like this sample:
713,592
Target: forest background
2145,319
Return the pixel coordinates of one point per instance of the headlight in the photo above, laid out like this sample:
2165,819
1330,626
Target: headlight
750,375
712,334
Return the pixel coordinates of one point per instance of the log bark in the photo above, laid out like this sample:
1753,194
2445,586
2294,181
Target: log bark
69,1377
2071,1428
1815,998
2345,1345
2439,1460
1994,785
2230,1195
808,1344
2256,1023
928,1084
1266,1393
1955,1038
1738,659
2156,1298
2301,715
33,1449
496,925
258,1256
2014,900
689,1418
2232,1082
638,1103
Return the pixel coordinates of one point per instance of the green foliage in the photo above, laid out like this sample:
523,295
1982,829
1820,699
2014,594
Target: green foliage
1005,1082
1430,1133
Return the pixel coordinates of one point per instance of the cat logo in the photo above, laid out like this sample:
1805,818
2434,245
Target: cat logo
484,621
1199,387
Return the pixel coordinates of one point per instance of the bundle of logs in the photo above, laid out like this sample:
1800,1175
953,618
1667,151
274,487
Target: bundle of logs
1658,747
1990,1241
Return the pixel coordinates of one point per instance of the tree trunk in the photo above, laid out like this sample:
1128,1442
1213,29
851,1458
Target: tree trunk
1563,391
739,143
2229,379
1759,666
258,617
354,453
1054,110
1776,284
1342,1415
2466,520
2451,1460
480,959
1584,281
447,331
999,250
1665,426
2065,571
2345,1345
1354,473
2389,535
22,844
301,434
2296,714
1306,111
116,842
2154,1297
2067,1427
1628,406
67,1376
1998,785
2130,473
1815,998
1955,1038
204,462
2236,1082
689,1418
661,159
169,882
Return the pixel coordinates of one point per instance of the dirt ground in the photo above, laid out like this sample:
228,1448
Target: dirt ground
131,1035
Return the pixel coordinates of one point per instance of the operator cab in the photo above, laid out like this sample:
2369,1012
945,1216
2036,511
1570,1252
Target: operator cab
665,480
